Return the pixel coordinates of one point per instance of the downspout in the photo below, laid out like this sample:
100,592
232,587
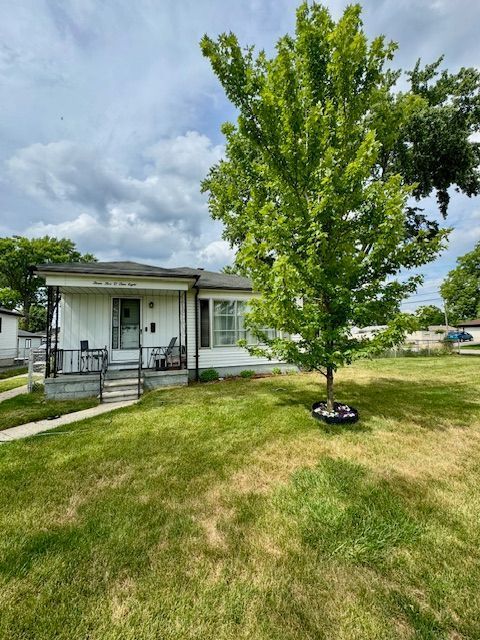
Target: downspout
196,328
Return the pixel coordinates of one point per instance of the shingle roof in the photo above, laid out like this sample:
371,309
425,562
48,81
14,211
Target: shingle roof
204,279
10,312
29,334
469,323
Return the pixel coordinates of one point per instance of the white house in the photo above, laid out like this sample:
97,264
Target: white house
127,325
472,327
8,336
27,340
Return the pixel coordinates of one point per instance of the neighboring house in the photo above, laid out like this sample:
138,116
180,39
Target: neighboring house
472,327
124,320
27,340
431,339
8,336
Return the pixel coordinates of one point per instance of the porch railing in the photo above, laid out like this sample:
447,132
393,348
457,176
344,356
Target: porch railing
79,361
102,373
163,358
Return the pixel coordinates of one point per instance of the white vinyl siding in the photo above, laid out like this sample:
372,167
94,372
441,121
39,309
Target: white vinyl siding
88,316
218,357
8,336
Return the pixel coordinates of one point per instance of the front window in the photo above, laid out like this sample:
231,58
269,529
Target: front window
229,324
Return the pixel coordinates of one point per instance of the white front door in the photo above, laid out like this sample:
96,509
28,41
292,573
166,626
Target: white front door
126,329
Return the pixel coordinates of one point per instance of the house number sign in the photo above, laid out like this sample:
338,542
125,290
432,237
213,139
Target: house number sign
114,283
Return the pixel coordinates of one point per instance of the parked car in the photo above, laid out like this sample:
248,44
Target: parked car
459,336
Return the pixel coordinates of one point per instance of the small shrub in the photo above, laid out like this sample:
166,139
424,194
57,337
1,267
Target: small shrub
247,373
209,375
277,371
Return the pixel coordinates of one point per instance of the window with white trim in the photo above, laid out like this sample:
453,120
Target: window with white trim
28,343
229,324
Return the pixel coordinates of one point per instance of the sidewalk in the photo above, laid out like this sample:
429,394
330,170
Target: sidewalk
32,428
6,395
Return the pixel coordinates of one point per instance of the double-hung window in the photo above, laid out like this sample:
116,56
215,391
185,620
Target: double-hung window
228,322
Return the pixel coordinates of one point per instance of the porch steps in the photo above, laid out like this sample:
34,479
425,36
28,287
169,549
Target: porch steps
121,385
123,366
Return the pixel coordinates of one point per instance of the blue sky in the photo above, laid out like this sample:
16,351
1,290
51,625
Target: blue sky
110,116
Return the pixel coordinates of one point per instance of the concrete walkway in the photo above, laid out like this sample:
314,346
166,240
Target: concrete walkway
6,395
32,428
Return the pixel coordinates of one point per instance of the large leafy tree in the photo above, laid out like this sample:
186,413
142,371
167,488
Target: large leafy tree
20,286
315,190
461,288
428,315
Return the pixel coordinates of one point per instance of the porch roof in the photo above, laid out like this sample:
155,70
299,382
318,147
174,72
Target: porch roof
10,312
191,277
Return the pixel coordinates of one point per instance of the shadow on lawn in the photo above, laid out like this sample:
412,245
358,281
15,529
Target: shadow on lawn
429,406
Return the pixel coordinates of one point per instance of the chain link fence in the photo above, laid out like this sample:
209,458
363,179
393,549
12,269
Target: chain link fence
36,368
414,348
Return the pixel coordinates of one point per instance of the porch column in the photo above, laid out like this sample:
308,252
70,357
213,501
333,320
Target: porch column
180,328
57,304
49,334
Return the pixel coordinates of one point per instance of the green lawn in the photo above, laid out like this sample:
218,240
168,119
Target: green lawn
470,346
12,383
225,511
8,373
30,407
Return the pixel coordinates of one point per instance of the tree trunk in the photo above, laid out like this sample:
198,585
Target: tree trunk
26,314
329,388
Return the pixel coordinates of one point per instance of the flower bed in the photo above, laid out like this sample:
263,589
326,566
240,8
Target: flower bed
342,413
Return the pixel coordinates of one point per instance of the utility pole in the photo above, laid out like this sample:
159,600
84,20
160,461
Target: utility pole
445,312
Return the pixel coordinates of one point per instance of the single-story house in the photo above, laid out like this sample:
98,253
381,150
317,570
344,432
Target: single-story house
126,326
472,327
27,340
8,336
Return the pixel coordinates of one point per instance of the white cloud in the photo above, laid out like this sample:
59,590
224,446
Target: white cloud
217,252
65,173
161,213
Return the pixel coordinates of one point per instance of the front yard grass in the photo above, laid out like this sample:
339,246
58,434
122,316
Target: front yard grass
225,511
8,373
12,383
31,407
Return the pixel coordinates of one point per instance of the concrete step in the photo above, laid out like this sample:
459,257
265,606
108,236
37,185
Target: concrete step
120,395
124,398
122,366
120,374
121,382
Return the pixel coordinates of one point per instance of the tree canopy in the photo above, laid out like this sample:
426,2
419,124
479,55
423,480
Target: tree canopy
315,189
19,285
461,288
428,315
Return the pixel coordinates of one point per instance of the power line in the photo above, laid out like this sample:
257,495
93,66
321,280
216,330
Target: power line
417,301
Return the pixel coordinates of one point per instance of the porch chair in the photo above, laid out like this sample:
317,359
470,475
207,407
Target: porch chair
169,353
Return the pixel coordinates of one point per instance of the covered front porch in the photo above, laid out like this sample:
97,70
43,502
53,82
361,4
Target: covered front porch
107,328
